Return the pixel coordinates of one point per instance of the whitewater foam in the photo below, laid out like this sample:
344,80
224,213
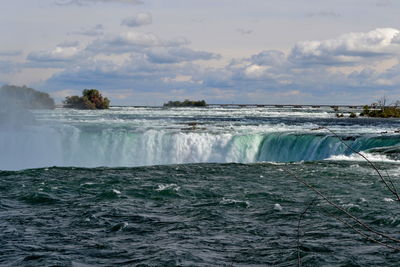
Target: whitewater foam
370,157
155,136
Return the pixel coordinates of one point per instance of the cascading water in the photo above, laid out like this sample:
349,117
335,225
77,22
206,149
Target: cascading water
115,216
152,136
70,146
285,147
66,145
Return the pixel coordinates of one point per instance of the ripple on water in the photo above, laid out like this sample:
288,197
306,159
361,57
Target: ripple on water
191,215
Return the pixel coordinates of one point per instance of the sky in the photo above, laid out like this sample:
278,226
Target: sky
147,52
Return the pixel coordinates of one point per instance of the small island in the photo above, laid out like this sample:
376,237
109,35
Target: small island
26,97
186,103
90,99
380,109
381,112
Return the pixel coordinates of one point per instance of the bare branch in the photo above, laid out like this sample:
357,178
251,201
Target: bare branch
392,190
340,208
298,229
362,233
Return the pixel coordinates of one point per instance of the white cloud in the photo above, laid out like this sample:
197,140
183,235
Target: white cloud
62,94
61,54
149,65
128,42
138,20
255,71
97,30
119,94
177,54
68,44
8,67
269,58
10,53
396,39
349,48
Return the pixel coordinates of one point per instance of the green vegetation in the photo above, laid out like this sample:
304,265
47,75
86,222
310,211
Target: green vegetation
186,103
90,99
26,97
381,112
352,115
381,109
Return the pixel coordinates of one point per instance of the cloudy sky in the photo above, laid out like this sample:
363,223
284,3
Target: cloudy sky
146,52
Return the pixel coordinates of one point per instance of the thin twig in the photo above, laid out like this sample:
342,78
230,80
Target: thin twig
298,230
392,190
340,208
391,182
362,233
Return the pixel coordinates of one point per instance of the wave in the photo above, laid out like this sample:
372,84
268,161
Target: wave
369,156
286,147
98,146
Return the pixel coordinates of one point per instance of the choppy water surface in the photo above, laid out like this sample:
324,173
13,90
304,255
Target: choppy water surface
223,192
201,215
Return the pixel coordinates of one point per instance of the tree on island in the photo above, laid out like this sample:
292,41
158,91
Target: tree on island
186,103
380,109
90,99
26,97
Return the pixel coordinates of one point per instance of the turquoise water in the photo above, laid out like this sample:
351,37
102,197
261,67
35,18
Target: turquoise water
129,137
142,187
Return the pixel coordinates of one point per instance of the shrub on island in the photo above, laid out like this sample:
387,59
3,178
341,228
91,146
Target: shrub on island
381,112
26,97
186,103
90,99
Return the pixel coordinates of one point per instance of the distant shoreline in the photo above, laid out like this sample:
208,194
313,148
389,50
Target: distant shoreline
247,105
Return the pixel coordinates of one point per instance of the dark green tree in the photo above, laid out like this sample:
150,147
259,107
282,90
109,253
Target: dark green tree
90,99
186,103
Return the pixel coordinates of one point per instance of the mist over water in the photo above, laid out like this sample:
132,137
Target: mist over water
13,114
127,137
24,141
192,214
